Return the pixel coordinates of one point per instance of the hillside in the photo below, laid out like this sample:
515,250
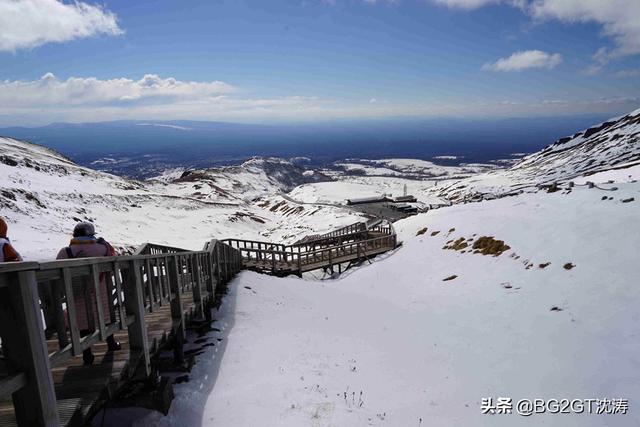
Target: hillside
254,178
527,297
44,194
609,145
427,332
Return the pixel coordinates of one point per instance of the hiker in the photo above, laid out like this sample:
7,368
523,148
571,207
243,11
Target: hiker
7,252
85,244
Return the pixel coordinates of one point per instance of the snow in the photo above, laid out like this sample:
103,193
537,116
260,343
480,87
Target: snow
601,150
368,170
45,194
388,343
418,347
425,167
336,192
624,174
448,157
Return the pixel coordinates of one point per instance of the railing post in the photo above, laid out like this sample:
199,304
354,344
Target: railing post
134,303
197,281
223,262
207,266
150,283
25,350
273,260
218,258
56,287
177,312
210,274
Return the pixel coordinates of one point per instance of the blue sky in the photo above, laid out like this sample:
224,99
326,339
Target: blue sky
306,60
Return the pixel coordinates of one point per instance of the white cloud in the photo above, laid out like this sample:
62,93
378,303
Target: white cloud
474,4
373,101
525,60
88,99
151,97
620,19
25,24
51,91
625,74
615,101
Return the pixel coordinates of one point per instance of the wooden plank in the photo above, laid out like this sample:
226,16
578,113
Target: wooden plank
12,383
71,312
177,311
98,300
197,288
150,281
121,307
26,351
134,302
57,287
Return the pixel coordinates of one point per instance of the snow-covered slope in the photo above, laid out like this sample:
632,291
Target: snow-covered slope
408,168
420,336
526,297
336,192
43,194
613,144
396,344
254,178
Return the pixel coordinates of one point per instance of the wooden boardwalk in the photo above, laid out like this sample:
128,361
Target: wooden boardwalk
43,381
145,301
349,244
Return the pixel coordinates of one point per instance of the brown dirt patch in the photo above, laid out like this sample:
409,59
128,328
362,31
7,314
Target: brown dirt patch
487,245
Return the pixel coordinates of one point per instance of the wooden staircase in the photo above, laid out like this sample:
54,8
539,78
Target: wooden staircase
152,296
350,244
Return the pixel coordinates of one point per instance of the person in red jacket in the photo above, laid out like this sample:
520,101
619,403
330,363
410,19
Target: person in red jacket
85,244
7,252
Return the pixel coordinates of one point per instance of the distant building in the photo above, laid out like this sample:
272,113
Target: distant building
403,207
381,199
408,198
363,200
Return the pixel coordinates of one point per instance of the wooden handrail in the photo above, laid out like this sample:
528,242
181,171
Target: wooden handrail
346,245
127,286
130,287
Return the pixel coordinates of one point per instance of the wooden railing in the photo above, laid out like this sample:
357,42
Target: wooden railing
46,301
39,301
352,250
354,242
357,227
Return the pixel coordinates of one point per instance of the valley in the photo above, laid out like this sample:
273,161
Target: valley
511,271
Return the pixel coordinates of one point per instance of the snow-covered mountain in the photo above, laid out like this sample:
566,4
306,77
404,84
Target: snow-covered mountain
533,296
411,168
614,144
252,179
530,296
43,194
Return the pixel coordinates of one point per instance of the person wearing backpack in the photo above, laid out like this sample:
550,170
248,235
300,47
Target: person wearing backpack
85,244
7,252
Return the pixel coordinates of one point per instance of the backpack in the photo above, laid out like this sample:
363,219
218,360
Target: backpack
110,250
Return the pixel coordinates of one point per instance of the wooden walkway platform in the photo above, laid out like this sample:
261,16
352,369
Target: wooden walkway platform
43,381
349,244
144,301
